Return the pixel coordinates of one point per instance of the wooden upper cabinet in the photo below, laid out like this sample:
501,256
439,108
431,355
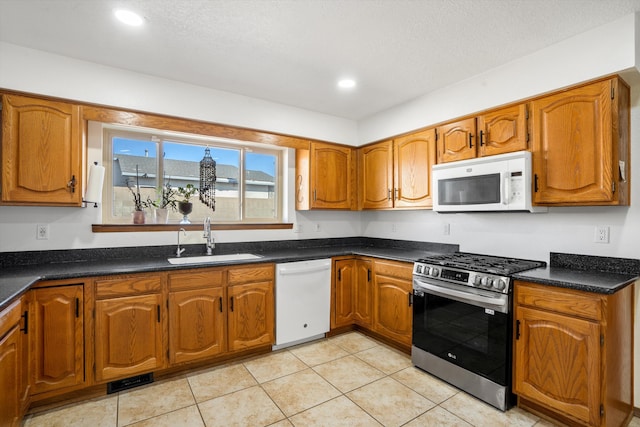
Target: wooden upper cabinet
414,155
325,177
499,131
376,175
581,145
503,131
41,152
397,174
457,141
57,339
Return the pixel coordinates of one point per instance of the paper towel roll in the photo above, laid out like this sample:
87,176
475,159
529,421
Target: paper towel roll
94,184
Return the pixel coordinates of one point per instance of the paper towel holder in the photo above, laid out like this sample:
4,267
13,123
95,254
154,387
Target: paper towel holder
94,185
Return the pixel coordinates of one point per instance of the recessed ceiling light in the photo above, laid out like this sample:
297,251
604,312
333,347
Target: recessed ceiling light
128,17
346,83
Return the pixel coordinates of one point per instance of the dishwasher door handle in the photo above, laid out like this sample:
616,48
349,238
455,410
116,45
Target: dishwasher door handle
284,271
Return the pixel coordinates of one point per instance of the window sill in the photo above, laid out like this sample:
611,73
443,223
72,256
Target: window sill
137,228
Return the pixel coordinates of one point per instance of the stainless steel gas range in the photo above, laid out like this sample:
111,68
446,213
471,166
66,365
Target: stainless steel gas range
462,321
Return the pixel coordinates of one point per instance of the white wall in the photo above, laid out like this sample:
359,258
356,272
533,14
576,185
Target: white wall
605,50
608,49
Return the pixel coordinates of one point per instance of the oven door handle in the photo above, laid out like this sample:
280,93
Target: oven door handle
496,303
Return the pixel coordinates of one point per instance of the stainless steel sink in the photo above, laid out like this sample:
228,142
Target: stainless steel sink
212,258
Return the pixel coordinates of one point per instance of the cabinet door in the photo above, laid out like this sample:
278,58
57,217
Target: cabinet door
10,365
344,278
41,152
558,363
128,336
9,369
376,175
196,324
503,131
414,155
572,146
57,340
456,141
363,293
251,320
332,177
393,315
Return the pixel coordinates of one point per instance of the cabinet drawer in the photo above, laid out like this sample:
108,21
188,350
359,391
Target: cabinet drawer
196,279
9,317
123,286
250,273
567,301
401,270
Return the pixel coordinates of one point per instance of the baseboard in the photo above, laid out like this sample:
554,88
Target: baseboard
636,412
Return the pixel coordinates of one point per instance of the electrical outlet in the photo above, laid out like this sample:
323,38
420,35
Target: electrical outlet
394,228
42,231
317,227
446,230
601,234
297,228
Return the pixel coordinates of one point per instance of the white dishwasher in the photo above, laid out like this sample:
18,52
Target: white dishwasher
303,301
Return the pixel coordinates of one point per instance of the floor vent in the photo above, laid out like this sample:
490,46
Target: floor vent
127,383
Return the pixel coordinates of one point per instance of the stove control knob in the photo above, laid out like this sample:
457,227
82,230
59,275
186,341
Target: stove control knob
419,269
500,284
486,282
477,280
435,272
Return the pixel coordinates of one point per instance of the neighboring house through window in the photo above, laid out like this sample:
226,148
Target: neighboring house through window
247,189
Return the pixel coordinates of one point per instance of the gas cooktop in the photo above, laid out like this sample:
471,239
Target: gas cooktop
483,263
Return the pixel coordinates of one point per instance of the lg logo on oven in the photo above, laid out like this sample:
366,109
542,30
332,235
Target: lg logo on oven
452,356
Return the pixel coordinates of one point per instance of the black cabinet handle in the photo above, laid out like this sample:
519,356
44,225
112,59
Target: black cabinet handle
517,329
481,138
470,139
368,275
410,294
77,308
220,301
72,184
535,183
158,313
231,304
339,275
25,316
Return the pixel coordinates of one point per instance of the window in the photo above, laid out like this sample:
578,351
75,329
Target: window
248,176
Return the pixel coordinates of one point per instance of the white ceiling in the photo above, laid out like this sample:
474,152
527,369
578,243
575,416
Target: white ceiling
293,51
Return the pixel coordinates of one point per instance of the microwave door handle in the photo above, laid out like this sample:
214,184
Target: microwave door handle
506,190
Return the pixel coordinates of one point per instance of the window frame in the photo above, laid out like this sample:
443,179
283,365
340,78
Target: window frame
161,137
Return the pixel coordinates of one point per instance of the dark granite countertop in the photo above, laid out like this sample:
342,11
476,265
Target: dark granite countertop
602,275
19,271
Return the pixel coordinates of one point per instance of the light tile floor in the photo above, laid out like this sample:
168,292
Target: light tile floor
348,380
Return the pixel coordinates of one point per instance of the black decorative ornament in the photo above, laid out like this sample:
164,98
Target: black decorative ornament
208,180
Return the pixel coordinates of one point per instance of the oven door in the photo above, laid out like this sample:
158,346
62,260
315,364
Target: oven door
470,334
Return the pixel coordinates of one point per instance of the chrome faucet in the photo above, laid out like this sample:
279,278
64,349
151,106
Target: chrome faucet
207,235
179,251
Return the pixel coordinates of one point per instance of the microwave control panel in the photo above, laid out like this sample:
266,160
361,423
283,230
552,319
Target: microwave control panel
516,187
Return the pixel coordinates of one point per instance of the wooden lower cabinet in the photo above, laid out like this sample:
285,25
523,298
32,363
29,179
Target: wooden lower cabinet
374,294
10,336
363,293
251,315
129,327
197,315
393,288
573,354
344,278
57,337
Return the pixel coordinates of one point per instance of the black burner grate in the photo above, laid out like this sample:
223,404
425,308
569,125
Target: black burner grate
483,263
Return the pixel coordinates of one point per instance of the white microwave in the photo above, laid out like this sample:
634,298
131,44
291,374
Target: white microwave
499,183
